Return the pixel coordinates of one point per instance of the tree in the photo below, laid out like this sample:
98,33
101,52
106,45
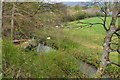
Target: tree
111,30
0,38
76,7
12,20
20,20
0,18
15,19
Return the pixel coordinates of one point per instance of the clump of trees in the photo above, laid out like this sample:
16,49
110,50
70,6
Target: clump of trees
21,20
80,12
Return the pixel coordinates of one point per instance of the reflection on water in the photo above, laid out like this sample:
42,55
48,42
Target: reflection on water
87,69
90,70
42,48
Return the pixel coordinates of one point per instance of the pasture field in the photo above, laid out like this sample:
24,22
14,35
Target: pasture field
90,39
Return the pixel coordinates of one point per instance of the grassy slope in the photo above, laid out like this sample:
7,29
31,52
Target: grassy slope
60,63
90,39
52,65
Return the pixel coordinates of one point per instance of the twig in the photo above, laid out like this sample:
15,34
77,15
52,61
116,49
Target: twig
89,23
114,43
113,63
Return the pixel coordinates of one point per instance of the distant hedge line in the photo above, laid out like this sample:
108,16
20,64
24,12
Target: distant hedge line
82,15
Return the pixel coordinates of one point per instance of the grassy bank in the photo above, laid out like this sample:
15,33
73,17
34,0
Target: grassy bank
90,40
73,43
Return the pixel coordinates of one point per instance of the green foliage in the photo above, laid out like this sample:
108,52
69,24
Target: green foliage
113,71
59,39
90,40
29,17
12,59
76,7
80,15
72,45
35,65
76,14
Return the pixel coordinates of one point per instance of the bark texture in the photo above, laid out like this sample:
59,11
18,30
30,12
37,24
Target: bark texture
0,39
106,47
0,18
12,21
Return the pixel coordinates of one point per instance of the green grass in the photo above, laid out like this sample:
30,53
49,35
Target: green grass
57,64
80,44
90,39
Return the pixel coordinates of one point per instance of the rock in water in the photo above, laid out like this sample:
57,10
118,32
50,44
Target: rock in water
42,48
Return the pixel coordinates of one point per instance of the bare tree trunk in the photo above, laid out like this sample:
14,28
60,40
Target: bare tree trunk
106,47
106,50
12,21
0,38
0,19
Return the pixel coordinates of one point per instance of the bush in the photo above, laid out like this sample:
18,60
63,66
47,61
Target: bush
80,15
95,15
77,16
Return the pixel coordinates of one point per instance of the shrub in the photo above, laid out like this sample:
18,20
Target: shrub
80,15
77,16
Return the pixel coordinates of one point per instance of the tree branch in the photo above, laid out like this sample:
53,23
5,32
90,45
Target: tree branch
117,34
118,51
112,50
89,23
104,22
113,63
118,28
101,18
113,43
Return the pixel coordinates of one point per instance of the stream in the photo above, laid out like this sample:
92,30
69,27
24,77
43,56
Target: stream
90,70
85,68
41,48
